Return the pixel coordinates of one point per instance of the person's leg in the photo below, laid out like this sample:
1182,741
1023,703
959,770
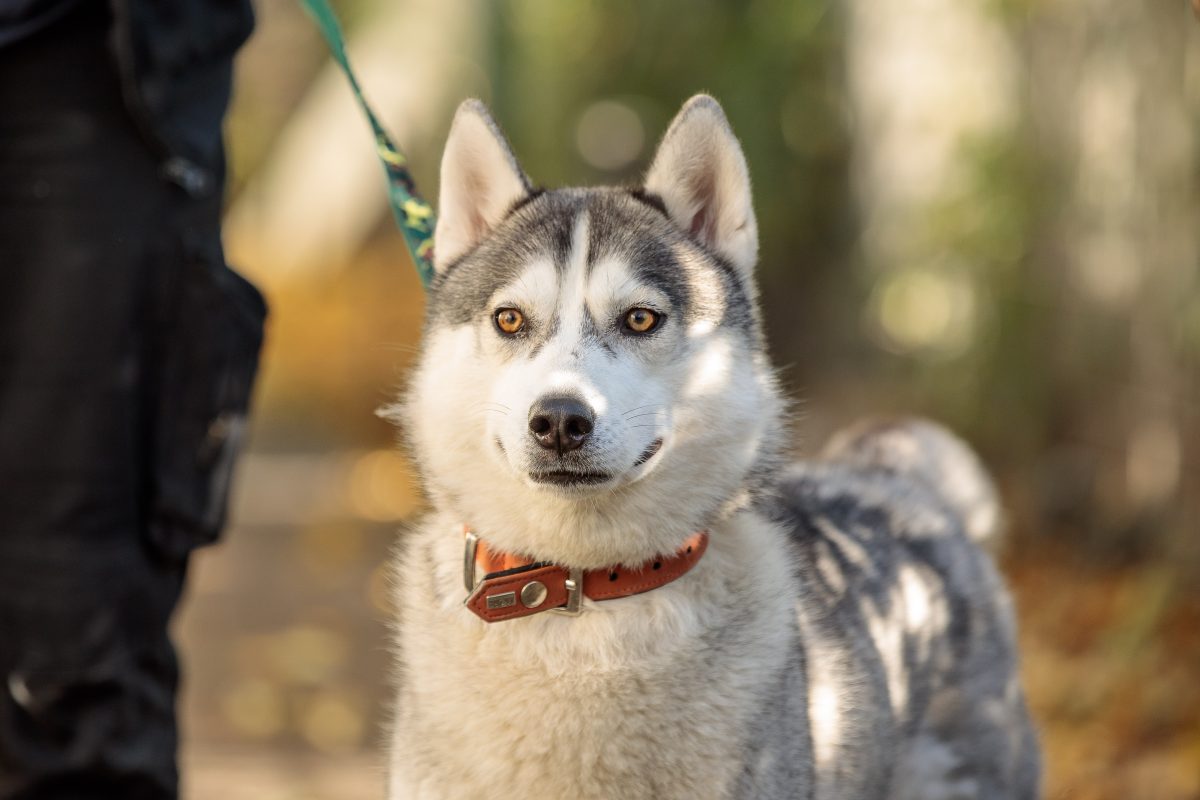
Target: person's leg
87,671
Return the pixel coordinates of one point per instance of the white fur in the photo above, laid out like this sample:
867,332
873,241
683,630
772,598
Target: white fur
553,706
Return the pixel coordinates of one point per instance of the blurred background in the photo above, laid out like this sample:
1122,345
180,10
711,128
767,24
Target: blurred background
985,211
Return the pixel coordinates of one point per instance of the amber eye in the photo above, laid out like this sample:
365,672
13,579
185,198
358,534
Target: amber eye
509,321
641,320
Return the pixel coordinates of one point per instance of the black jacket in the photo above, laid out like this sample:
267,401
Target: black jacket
176,62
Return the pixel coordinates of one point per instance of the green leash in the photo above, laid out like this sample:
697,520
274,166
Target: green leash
414,216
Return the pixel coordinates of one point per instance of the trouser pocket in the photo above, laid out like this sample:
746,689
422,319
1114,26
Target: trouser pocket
209,357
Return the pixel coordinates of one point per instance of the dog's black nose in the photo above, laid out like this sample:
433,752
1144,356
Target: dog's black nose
561,423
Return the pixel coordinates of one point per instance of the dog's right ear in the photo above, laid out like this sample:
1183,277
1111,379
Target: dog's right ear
480,181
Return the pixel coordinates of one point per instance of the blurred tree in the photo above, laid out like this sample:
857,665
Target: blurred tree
569,75
1112,117
1026,177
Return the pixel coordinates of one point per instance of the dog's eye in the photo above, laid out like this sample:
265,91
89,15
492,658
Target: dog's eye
509,321
641,320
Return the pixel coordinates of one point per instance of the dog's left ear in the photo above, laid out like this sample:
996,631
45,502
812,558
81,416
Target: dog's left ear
480,182
700,174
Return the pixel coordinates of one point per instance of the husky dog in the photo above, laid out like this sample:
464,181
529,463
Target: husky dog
594,403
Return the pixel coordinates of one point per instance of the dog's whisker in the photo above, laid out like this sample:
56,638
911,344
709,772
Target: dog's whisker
638,408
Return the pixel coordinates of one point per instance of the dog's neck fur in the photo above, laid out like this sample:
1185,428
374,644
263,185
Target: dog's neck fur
556,706
611,522
588,697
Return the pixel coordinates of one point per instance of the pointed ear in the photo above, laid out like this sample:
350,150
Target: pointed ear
700,174
480,181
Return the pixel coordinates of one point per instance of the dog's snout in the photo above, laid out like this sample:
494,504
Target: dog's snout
561,423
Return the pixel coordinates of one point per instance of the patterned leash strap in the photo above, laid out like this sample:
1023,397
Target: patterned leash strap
414,216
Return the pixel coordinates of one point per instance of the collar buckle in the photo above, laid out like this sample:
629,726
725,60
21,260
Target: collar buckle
574,581
574,585
469,550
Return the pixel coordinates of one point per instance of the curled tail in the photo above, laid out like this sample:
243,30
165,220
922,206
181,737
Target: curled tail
927,452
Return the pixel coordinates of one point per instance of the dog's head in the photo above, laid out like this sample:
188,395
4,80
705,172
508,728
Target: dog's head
592,387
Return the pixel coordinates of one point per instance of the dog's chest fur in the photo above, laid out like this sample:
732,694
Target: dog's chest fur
653,696
860,646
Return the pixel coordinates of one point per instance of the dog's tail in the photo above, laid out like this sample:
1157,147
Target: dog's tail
927,452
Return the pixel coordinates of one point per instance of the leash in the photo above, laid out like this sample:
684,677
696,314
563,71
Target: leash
413,215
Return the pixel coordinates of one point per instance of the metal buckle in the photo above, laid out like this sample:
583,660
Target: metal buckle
472,545
574,594
574,582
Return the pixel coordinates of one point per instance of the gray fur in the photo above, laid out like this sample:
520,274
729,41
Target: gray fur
856,523
620,222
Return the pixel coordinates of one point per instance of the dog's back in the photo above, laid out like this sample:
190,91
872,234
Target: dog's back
903,611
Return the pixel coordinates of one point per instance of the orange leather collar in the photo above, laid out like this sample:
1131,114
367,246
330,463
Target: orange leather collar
514,587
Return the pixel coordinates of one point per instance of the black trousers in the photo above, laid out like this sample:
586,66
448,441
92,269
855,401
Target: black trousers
94,282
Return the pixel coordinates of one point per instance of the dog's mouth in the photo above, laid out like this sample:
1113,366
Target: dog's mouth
567,477
649,452
580,478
